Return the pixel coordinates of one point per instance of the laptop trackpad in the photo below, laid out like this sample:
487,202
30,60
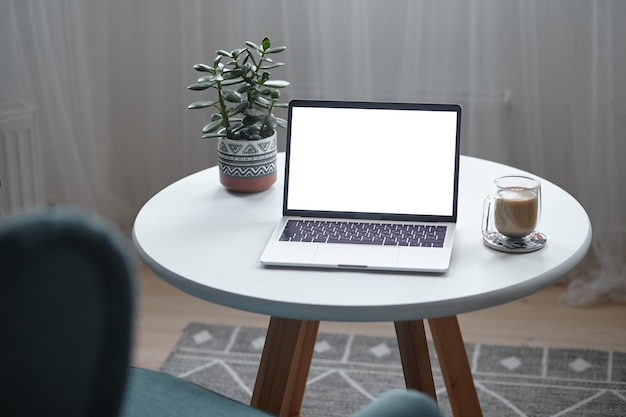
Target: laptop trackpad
337,254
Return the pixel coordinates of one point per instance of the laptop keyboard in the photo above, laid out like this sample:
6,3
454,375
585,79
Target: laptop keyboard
382,234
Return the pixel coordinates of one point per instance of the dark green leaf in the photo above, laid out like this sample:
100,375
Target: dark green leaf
212,127
224,53
200,86
262,101
206,78
275,50
281,122
254,46
242,88
203,67
270,120
236,52
213,135
250,120
201,104
253,113
266,43
232,96
239,109
233,73
232,82
273,65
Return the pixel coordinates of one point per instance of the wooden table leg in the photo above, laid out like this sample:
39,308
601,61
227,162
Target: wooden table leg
284,366
455,366
414,355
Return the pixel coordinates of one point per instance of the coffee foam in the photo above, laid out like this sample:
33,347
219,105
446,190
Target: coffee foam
517,194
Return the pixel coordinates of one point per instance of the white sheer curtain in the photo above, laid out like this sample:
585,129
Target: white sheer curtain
61,72
540,83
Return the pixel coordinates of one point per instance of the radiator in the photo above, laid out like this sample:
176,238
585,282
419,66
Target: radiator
21,175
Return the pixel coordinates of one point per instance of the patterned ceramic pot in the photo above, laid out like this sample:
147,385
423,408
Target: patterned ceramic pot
247,166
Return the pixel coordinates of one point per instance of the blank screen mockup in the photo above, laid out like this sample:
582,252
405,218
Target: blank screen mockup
370,160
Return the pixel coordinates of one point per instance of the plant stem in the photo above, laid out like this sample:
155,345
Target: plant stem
225,121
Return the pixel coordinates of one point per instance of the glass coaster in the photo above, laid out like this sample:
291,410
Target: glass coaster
530,243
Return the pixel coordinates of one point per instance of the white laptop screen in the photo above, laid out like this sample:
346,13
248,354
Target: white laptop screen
389,161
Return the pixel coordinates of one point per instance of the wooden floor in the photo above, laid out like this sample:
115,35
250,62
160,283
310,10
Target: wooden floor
538,320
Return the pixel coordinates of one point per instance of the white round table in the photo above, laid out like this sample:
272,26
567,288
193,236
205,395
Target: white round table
206,241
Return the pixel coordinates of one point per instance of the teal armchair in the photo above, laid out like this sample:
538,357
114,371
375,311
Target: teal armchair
66,308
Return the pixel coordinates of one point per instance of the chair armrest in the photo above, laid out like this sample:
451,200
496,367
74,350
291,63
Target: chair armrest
401,403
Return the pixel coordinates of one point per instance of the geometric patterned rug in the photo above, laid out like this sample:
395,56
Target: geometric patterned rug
348,371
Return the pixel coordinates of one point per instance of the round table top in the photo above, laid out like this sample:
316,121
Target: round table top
207,241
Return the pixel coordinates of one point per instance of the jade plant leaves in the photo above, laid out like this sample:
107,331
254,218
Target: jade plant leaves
246,94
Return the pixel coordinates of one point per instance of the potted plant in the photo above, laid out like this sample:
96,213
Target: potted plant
243,120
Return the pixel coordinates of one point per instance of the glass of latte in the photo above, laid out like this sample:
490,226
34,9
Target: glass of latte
514,208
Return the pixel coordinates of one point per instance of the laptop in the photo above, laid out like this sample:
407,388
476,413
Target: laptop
368,186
